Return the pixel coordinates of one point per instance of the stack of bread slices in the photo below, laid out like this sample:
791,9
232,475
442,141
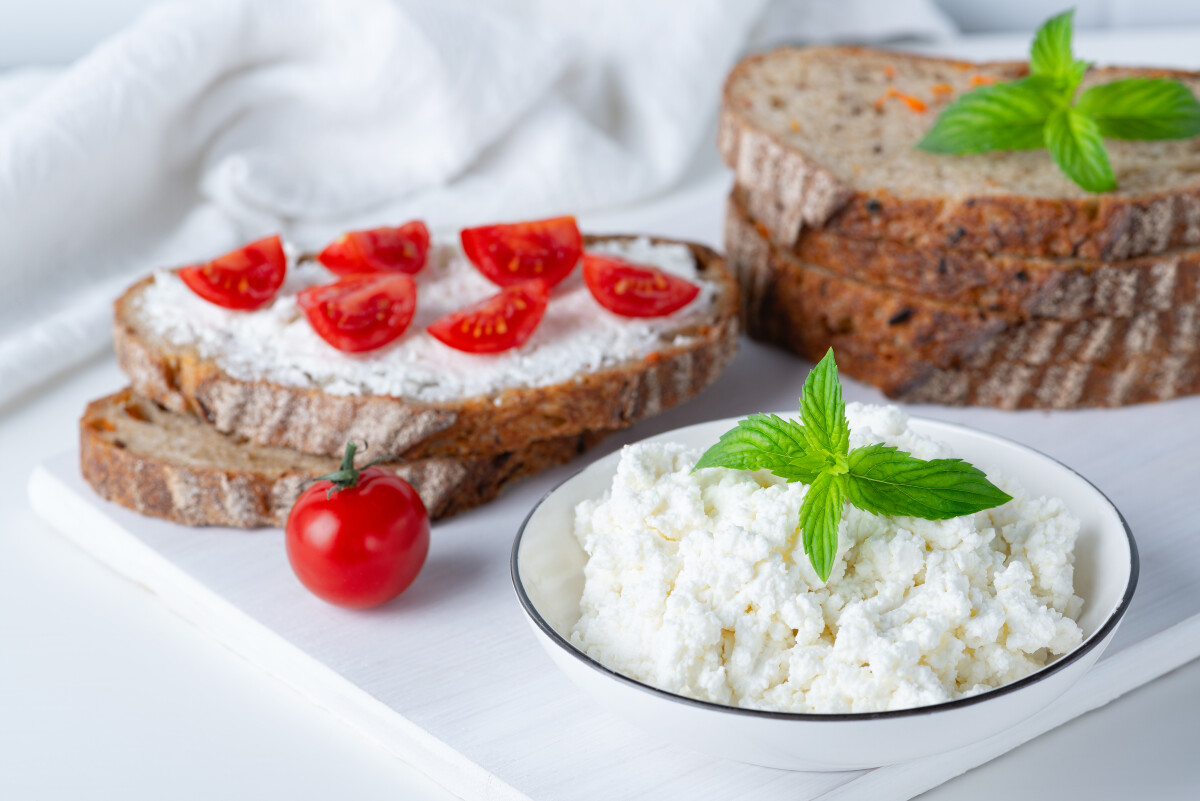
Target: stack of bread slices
200,442
983,279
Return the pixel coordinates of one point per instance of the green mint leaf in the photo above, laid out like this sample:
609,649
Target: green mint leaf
1050,56
820,515
765,442
803,469
1007,116
883,480
1036,112
1142,108
823,411
1078,149
1078,69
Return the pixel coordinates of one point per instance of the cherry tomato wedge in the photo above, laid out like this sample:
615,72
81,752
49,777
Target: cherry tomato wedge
512,253
504,320
247,278
361,312
379,250
633,290
358,538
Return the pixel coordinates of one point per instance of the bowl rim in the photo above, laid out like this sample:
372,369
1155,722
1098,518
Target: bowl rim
1092,642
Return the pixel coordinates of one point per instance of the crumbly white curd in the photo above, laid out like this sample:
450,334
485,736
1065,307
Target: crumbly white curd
696,583
577,335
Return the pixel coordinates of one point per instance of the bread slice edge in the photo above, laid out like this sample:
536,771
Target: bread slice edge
173,466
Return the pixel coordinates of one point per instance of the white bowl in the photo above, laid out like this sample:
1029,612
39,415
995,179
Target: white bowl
547,571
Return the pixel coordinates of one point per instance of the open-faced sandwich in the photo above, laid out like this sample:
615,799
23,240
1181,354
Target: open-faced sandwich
463,366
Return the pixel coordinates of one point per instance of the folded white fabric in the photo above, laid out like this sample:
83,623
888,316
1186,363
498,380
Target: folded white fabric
204,125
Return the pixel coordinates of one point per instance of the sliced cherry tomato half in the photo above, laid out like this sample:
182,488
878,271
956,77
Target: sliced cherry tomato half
635,290
247,278
361,312
512,253
504,320
379,250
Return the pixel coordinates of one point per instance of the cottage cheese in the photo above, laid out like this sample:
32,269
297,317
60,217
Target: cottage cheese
695,584
576,336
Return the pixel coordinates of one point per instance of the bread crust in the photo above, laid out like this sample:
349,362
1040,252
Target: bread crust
1011,286
809,194
791,301
258,489
311,421
918,349
1016,385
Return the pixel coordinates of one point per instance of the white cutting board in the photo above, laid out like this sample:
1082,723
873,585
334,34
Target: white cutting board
450,679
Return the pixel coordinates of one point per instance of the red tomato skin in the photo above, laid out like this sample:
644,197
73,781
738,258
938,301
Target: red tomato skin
362,546
508,254
498,323
360,313
633,290
243,279
402,249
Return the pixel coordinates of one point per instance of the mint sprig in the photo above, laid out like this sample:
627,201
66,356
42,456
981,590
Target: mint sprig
765,442
1075,144
820,515
1041,111
1050,54
1006,116
1142,108
876,478
888,481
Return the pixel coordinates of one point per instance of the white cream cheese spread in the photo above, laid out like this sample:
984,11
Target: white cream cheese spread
577,335
696,584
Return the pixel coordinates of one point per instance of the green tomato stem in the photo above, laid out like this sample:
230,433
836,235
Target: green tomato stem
346,476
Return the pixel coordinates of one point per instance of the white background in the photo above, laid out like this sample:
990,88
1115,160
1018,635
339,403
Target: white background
47,32
104,694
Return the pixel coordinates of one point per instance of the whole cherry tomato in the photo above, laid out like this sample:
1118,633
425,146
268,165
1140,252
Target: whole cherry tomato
358,538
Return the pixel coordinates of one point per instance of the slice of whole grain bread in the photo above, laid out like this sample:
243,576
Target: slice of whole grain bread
787,300
1016,286
829,133
174,466
310,420
916,348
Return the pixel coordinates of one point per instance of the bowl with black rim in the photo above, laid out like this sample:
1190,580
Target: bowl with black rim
548,576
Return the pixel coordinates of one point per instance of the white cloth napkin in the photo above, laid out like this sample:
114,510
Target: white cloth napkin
204,125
